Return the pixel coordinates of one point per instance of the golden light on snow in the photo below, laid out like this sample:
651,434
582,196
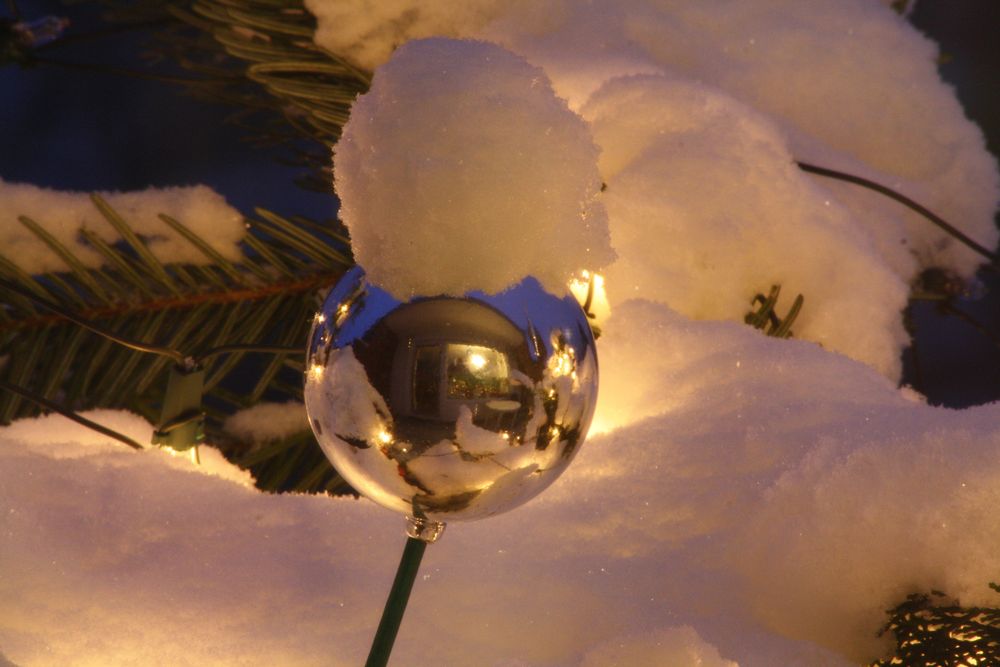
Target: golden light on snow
588,288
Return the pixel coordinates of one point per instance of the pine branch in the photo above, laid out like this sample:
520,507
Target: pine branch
313,88
242,318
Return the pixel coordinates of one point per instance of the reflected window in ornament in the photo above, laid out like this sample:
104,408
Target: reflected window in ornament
475,372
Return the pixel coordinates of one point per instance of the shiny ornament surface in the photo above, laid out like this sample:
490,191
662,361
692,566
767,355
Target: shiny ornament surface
450,408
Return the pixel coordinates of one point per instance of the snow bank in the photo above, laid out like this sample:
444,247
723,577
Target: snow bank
751,474
64,214
461,170
707,209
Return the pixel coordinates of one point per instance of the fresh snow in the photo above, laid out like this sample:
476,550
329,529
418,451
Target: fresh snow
741,475
266,421
65,214
445,189
705,207
741,499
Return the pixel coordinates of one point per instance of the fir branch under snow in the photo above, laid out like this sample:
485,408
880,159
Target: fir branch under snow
705,205
64,214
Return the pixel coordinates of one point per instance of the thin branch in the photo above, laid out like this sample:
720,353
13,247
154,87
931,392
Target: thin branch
184,301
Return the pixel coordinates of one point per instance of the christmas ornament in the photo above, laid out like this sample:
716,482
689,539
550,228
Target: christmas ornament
449,408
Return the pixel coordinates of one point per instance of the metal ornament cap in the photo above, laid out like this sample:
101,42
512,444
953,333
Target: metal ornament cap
450,408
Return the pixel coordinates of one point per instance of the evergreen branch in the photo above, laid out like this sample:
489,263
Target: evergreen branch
188,300
766,320
87,324
225,314
276,40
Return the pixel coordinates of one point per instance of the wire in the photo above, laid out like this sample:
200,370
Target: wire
265,349
135,345
55,407
902,199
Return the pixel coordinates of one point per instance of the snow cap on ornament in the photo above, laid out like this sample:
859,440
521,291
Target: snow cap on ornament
462,170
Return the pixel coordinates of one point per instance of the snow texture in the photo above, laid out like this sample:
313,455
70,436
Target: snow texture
743,500
460,170
265,422
744,476
701,109
65,215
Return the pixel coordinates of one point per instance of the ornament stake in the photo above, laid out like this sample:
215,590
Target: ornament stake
399,595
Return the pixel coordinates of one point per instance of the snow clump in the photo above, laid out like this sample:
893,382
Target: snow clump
460,169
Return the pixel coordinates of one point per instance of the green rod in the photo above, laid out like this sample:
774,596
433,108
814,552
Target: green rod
392,616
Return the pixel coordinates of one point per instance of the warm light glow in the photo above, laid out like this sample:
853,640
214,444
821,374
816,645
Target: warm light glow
563,363
342,312
476,361
591,285
316,372
384,437
190,453
319,318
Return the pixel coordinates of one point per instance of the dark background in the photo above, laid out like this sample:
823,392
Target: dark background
84,129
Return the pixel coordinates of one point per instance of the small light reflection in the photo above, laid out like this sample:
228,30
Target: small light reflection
316,372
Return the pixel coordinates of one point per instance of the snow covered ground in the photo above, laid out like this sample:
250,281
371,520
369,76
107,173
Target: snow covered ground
743,499
767,503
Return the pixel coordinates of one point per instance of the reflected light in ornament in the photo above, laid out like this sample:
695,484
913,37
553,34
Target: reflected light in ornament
450,408
588,288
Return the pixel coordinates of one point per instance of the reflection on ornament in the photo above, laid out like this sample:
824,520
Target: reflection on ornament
449,408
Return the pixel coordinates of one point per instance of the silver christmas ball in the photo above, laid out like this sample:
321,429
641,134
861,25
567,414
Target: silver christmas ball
449,408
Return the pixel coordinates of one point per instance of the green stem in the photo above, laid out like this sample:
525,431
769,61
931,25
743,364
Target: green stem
396,604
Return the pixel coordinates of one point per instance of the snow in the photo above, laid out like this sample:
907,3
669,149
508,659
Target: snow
799,77
265,422
744,476
492,188
708,209
64,214
741,500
